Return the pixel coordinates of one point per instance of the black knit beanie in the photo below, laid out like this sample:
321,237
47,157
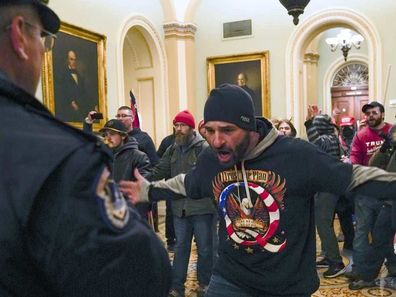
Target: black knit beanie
232,104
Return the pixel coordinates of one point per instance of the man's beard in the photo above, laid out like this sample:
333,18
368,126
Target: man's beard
112,146
183,139
238,153
374,122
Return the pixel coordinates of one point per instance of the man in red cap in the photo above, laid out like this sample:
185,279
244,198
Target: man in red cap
190,217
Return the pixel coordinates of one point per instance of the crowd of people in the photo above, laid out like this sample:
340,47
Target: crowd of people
75,208
237,163
366,224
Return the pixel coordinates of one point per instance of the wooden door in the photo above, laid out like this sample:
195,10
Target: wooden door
348,101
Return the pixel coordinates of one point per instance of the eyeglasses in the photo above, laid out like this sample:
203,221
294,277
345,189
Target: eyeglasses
123,116
46,37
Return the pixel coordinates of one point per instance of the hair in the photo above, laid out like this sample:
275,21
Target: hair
8,12
292,128
71,51
274,122
244,75
124,107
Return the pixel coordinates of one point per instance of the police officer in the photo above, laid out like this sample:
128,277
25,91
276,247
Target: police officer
65,229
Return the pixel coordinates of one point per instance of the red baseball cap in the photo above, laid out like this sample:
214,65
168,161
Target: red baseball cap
347,121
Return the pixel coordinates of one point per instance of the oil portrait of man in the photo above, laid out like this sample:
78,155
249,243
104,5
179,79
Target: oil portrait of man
75,64
247,75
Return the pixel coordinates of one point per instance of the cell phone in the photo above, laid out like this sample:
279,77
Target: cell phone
97,116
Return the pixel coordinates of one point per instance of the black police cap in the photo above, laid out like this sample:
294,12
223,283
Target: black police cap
48,17
373,104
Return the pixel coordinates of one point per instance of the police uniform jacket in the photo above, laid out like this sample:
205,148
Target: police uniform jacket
63,231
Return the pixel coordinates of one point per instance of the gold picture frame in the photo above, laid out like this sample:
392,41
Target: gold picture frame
74,76
253,66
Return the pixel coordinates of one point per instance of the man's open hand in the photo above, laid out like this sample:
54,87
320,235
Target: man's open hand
131,189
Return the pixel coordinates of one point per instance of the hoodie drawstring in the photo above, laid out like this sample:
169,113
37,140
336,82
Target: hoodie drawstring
246,202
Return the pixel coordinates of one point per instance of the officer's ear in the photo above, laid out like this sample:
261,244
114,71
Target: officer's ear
18,37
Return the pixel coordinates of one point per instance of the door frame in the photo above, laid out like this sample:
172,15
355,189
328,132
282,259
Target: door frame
332,71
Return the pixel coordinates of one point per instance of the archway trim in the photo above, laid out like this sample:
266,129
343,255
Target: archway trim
303,35
157,49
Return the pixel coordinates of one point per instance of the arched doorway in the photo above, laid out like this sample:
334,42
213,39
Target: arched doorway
302,37
142,67
349,91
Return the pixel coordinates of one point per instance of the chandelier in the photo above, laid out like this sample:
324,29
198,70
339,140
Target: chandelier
295,8
345,40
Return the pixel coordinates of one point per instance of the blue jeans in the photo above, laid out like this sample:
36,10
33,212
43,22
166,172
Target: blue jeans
325,205
366,213
344,210
220,287
381,247
201,226
169,227
215,238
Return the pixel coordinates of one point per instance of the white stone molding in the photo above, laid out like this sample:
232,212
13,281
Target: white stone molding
180,30
311,57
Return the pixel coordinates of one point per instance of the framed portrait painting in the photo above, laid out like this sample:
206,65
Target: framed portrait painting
74,76
249,71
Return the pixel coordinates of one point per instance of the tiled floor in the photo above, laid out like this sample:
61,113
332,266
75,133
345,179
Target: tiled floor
336,287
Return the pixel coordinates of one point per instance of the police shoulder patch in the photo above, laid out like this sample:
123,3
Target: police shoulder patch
114,208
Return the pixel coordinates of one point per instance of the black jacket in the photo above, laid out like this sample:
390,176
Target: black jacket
128,157
267,246
144,141
176,160
165,143
270,250
321,132
146,144
62,231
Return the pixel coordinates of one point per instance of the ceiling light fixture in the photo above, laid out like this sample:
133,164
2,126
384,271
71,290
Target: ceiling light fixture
345,40
295,8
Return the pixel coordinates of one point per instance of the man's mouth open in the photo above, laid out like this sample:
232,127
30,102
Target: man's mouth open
224,156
